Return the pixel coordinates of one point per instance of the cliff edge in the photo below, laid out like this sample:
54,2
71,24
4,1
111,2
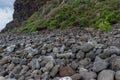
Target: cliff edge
23,9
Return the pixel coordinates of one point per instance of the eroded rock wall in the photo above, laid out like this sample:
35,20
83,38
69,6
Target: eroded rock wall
23,10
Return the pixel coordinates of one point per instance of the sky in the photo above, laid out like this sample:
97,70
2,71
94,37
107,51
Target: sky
6,12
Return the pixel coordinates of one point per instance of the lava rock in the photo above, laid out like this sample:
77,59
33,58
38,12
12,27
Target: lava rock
17,69
110,51
85,62
35,64
65,55
16,60
90,55
66,71
75,48
31,52
115,64
36,74
1,49
89,75
24,70
10,79
74,65
5,60
54,70
106,75
24,62
61,62
48,66
11,66
99,64
76,76
44,76
2,78
80,55
55,50
117,75
87,47
10,48
62,49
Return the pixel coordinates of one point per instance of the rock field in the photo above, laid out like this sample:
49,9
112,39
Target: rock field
70,54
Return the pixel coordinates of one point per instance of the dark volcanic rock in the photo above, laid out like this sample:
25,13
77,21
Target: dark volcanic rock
106,75
66,71
117,75
99,64
116,63
45,55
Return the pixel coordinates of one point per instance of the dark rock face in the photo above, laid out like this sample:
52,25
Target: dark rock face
23,10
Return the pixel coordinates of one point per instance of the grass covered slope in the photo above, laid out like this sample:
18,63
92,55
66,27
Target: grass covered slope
99,14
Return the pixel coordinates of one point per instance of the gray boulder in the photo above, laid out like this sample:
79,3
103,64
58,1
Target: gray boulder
54,70
2,78
117,75
106,75
115,64
87,47
99,64
31,52
10,48
80,55
110,51
89,76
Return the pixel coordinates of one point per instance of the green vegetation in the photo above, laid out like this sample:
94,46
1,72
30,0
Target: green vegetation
62,14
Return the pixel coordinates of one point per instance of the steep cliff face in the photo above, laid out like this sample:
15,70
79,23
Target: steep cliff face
23,10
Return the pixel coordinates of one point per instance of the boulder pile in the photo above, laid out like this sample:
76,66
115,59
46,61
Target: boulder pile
60,55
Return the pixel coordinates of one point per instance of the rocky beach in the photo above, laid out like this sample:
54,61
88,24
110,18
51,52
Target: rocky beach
69,54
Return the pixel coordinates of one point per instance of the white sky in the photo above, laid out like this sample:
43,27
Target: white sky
6,12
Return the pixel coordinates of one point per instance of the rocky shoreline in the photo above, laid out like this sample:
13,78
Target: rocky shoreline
70,54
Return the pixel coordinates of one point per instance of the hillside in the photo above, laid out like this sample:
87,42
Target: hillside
37,15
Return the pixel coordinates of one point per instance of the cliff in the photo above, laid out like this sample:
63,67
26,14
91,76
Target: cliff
34,15
23,9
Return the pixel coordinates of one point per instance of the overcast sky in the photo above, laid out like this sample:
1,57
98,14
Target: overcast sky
6,12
